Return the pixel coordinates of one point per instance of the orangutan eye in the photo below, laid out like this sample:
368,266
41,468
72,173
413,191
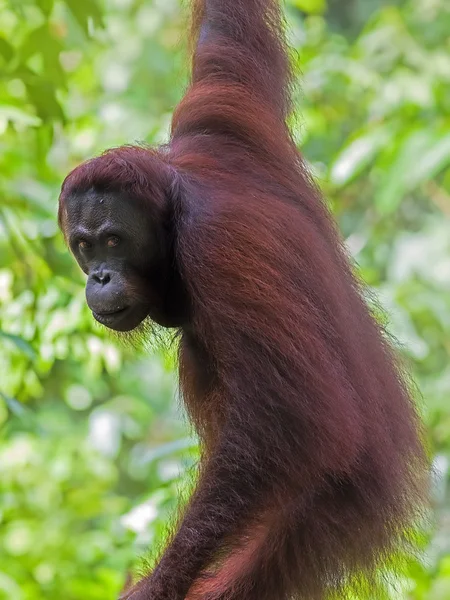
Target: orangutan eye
113,241
84,245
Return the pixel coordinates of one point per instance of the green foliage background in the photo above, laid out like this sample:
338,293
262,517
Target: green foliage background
93,449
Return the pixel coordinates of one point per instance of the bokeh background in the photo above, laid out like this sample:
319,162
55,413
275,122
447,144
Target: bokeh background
93,445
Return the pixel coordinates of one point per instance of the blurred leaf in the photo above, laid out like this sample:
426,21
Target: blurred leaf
18,115
16,407
357,155
310,6
23,345
46,6
434,160
42,95
168,449
41,41
401,168
83,11
6,50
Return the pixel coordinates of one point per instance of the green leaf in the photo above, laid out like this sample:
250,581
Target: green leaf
169,449
316,7
17,115
421,155
6,50
357,155
23,345
434,160
46,6
43,97
16,407
41,93
41,41
83,10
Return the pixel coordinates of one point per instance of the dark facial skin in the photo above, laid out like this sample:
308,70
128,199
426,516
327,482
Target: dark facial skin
124,256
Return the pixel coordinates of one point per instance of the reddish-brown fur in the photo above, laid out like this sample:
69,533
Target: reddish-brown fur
313,468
